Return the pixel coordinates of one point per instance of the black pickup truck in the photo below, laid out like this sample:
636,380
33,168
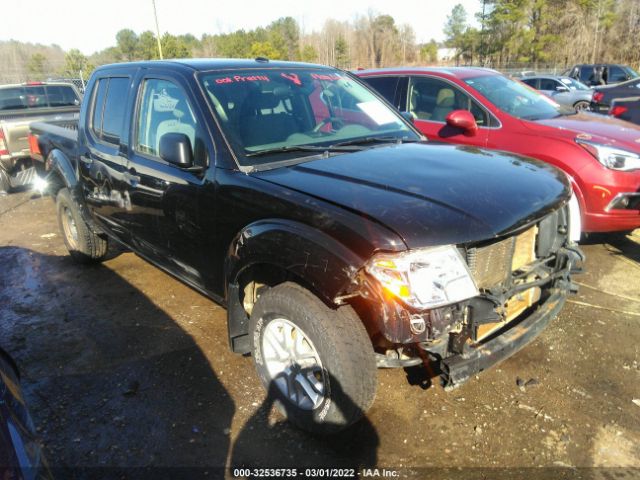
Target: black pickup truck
337,238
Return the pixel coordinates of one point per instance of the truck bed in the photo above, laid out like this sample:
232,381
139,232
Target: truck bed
60,134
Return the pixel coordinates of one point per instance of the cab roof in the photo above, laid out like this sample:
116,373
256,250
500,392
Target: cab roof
205,64
457,72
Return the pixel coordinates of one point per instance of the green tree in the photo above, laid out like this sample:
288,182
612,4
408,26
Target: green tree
127,43
75,62
308,54
429,52
456,25
147,46
37,66
342,52
234,45
174,47
263,49
284,35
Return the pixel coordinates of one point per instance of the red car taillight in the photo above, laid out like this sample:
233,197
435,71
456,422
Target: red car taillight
33,144
618,110
597,97
3,145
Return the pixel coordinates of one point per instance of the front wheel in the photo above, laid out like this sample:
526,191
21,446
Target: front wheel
317,363
84,245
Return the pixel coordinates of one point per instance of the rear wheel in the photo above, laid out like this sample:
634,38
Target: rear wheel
316,363
582,106
84,245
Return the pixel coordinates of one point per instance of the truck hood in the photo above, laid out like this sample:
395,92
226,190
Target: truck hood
599,128
432,194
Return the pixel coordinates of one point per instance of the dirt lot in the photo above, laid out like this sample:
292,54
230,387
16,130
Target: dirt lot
124,367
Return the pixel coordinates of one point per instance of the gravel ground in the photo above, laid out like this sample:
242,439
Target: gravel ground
125,367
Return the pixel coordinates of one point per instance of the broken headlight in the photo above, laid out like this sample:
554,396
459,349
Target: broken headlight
425,278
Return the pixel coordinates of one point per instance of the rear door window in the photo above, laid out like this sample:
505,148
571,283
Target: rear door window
532,82
114,108
385,86
98,106
109,106
548,84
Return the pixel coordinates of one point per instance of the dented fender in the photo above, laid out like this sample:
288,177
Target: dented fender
327,266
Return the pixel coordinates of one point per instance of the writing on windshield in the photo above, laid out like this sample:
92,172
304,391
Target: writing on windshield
274,110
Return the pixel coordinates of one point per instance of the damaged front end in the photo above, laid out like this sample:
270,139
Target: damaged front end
522,282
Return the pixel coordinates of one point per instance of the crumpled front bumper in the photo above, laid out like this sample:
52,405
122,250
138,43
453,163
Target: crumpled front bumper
459,368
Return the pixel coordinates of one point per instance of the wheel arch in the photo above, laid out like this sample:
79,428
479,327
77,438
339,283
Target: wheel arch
61,172
269,252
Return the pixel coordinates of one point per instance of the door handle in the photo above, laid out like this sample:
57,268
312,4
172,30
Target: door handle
131,177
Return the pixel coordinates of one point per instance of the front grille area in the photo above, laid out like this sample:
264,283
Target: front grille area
492,265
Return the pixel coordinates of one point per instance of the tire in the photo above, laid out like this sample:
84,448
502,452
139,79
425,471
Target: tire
581,106
83,244
5,182
342,374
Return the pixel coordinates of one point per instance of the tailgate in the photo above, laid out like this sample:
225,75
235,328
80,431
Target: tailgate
16,128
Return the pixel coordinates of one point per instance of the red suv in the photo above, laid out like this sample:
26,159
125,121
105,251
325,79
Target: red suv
483,108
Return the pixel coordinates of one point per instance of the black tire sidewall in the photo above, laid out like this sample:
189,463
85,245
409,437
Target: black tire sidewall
337,410
86,251
305,418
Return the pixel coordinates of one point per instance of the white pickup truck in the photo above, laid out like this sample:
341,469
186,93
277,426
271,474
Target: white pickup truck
21,105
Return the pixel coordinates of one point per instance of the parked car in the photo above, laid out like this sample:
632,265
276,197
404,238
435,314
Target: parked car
626,109
19,106
21,456
601,73
336,237
564,90
482,108
603,97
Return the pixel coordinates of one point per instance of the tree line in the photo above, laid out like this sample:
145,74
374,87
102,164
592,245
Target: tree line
505,33
547,32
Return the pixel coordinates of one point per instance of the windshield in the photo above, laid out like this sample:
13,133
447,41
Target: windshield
573,84
631,72
272,115
515,98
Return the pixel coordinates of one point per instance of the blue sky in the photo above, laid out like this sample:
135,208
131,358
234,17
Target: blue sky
91,25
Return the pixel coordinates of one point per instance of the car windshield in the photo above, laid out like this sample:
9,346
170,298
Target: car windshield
573,84
271,115
515,98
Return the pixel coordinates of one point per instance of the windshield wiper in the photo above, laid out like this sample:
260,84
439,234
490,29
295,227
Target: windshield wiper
299,148
365,140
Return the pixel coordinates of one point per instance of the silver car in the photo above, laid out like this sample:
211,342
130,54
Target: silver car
564,90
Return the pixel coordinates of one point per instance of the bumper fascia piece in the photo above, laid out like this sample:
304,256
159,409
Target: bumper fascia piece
459,368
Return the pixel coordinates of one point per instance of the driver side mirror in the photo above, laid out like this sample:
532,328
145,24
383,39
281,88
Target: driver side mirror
175,148
463,119
562,88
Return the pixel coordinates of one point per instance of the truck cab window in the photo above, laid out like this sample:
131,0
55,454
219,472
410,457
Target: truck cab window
164,108
109,107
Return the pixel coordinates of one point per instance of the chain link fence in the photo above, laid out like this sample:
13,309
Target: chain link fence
8,77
